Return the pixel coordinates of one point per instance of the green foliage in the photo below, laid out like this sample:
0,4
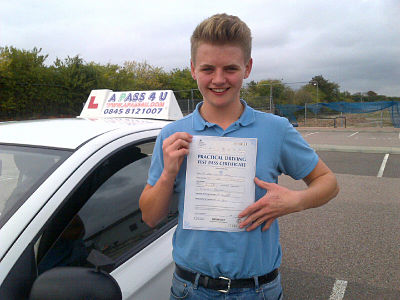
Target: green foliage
304,95
29,88
329,90
309,93
21,71
370,96
182,83
258,94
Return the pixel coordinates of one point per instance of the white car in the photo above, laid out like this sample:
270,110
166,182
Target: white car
70,225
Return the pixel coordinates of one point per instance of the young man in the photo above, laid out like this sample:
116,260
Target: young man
241,263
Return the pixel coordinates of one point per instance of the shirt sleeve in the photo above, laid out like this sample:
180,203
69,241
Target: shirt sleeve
157,161
297,158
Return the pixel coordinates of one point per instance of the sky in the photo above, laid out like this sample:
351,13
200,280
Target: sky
355,44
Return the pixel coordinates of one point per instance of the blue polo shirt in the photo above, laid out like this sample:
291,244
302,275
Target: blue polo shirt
280,149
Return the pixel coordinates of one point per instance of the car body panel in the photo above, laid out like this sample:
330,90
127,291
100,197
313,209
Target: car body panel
69,133
145,273
24,225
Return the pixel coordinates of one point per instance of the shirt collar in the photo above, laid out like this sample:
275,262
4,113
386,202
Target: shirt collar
246,118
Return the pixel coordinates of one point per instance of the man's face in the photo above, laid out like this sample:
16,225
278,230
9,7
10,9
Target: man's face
219,71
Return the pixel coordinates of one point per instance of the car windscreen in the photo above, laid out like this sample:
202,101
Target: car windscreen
22,170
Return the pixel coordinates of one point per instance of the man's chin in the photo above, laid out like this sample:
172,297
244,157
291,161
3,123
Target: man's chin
219,103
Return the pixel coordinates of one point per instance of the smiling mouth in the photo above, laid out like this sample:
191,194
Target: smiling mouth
219,90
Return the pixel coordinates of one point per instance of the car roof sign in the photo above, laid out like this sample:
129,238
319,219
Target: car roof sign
159,104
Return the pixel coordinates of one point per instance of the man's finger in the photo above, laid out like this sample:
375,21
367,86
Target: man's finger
258,216
268,224
250,209
258,222
264,184
178,144
178,136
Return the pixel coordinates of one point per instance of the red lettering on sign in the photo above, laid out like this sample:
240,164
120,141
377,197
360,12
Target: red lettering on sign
91,102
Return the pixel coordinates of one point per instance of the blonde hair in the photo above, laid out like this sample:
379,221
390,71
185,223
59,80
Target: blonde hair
221,29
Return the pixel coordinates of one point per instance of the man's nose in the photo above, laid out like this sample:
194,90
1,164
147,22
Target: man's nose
219,77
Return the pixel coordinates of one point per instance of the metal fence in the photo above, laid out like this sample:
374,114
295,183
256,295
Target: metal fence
337,114
311,114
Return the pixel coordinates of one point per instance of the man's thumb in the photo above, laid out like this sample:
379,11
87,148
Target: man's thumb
263,184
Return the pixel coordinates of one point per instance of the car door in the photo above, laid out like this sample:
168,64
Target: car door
97,209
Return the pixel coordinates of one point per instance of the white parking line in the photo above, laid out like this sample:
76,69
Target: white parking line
353,134
383,165
311,133
338,290
7,178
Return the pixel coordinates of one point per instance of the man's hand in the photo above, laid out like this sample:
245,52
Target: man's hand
277,202
175,147
155,200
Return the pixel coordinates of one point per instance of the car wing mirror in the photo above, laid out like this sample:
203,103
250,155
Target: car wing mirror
64,283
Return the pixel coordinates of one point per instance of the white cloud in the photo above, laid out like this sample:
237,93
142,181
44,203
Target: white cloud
354,43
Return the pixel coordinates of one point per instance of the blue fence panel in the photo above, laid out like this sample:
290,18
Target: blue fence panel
288,110
395,114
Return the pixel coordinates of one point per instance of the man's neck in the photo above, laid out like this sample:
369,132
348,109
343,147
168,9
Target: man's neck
222,116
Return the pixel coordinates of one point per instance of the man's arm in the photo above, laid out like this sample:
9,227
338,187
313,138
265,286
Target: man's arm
280,201
155,200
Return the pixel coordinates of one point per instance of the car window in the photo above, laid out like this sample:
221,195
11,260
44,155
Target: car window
22,170
109,220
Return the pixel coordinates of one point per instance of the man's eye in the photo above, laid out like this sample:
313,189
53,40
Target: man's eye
206,69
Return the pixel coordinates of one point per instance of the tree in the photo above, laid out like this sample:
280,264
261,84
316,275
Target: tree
330,90
77,79
345,96
21,72
304,95
142,76
181,81
257,94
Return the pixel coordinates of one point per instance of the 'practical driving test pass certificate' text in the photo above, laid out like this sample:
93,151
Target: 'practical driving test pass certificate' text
219,182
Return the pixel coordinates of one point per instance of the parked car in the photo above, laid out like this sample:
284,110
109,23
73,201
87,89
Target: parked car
70,225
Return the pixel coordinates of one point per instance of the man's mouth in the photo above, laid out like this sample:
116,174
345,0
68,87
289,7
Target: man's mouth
219,90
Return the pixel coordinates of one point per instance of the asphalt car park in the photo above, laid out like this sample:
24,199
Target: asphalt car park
363,164
348,248
373,139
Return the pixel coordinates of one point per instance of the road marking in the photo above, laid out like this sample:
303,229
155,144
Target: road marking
338,290
9,178
383,165
353,134
311,133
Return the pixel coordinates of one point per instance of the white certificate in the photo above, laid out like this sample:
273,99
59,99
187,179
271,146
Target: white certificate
219,182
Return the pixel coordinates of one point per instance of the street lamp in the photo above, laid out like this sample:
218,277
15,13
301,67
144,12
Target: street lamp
316,83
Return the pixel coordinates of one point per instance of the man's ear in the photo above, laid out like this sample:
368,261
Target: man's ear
249,66
192,70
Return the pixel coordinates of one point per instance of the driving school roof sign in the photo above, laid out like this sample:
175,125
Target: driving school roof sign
132,104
